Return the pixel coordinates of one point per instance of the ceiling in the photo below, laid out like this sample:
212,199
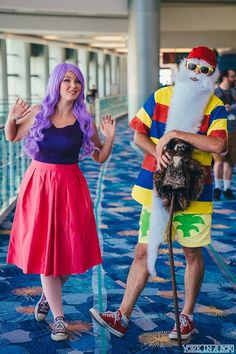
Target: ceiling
104,23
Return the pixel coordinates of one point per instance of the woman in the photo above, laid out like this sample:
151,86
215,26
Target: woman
54,225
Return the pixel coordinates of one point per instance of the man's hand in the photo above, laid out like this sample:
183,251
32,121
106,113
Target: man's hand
227,107
163,159
163,162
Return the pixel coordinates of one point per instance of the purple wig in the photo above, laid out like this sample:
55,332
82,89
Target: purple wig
42,118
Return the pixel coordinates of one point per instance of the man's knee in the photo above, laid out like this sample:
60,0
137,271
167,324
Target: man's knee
193,254
140,253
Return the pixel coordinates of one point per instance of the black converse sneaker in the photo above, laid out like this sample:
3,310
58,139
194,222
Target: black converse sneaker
59,329
41,309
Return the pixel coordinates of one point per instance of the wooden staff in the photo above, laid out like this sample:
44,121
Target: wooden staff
172,270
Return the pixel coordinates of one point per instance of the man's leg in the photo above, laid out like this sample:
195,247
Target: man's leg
228,171
193,277
117,322
136,281
218,176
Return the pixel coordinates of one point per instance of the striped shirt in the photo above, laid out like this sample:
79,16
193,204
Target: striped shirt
151,121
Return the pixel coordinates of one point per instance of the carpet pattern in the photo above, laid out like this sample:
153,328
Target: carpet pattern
103,287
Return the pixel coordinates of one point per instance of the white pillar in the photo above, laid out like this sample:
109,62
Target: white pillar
117,73
18,66
92,69
101,75
56,56
123,75
107,68
143,51
39,71
83,65
3,82
71,55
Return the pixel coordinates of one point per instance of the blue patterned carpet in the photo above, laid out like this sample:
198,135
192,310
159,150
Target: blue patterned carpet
117,217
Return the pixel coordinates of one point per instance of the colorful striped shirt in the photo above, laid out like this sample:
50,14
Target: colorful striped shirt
151,121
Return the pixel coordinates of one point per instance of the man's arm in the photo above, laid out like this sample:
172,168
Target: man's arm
231,108
202,142
144,142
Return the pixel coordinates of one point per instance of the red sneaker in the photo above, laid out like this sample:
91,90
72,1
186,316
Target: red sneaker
111,321
187,328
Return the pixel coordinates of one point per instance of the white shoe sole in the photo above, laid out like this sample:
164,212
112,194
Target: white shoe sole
100,321
173,335
58,337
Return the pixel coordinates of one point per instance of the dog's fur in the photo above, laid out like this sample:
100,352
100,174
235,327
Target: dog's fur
183,178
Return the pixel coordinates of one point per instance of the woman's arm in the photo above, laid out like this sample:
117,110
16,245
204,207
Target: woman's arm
20,119
103,151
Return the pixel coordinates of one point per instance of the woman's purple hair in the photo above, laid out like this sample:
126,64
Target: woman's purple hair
48,106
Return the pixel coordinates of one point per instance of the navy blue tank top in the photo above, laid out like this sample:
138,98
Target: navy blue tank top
60,145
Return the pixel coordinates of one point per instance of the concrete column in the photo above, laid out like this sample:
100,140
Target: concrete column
123,75
117,74
92,69
143,51
101,75
56,56
107,75
3,82
114,86
27,71
83,65
18,66
71,55
39,64
46,68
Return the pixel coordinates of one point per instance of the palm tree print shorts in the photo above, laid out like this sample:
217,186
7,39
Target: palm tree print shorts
190,230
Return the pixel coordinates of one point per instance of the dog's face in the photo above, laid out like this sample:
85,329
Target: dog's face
179,147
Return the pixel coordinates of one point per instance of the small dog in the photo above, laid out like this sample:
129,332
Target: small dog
183,177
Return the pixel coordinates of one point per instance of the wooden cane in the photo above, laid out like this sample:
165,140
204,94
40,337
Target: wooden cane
172,270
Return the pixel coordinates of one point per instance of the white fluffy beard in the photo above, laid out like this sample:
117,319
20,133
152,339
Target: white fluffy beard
190,98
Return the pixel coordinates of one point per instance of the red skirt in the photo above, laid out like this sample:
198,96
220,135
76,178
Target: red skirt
54,230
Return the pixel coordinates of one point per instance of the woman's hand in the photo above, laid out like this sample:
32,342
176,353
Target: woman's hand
19,109
108,126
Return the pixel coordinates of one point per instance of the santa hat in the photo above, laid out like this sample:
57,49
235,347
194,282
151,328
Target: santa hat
204,53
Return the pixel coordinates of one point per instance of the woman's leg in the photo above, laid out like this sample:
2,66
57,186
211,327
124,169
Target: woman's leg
52,288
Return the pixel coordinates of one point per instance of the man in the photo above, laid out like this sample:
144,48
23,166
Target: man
223,165
90,98
192,100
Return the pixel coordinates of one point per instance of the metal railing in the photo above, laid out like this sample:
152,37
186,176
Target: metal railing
117,106
13,162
